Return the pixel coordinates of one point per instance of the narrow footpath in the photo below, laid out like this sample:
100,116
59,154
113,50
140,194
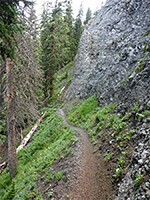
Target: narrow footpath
94,181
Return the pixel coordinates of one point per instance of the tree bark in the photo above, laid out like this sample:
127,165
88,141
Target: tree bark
12,155
3,147
1,90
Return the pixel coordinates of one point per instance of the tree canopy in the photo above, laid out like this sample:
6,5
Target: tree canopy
10,24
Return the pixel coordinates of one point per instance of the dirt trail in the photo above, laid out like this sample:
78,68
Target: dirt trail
93,181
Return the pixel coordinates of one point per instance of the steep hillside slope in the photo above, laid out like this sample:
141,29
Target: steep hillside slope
114,50
123,140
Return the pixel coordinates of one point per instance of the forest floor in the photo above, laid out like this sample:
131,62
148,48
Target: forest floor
88,176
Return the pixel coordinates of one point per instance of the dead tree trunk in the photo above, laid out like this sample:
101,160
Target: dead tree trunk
3,147
1,90
12,156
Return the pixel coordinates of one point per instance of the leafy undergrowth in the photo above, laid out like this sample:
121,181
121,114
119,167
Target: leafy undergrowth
80,111
108,131
52,141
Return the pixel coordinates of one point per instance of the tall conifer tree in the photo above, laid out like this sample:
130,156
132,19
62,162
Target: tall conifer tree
78,27
88,16
10,13
57,41
46,43
70,20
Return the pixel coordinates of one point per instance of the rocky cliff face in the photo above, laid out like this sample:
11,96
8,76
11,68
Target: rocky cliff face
111,48
113,63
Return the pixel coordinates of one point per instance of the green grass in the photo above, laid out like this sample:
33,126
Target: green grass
51,141
81,112
138,181
146,113
2,138
104,124
108,155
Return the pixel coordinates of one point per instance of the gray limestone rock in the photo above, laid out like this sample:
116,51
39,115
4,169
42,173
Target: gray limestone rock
110,50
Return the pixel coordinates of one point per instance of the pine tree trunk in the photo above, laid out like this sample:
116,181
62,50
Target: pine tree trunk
12,156
1,91
4,146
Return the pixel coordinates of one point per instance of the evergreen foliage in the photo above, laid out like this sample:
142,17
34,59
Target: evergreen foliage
21,45
88,16
46,45
26,83
58,40
78,28
34,31
17,44
10,25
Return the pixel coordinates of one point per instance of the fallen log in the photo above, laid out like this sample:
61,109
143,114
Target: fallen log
24,141
3,165
28,136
